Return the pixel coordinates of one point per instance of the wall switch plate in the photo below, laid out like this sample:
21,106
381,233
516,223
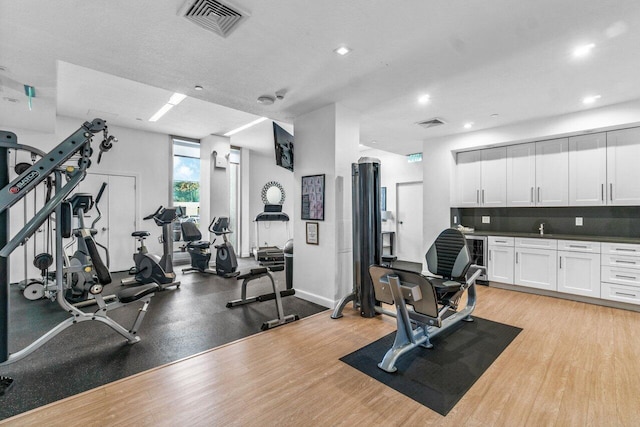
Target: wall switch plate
486,220
579,221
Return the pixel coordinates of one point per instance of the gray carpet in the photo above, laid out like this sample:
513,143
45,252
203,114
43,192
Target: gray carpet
180,322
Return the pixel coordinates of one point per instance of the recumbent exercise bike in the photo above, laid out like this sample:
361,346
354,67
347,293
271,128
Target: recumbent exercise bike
200,253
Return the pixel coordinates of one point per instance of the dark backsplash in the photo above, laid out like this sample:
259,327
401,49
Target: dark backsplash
614,221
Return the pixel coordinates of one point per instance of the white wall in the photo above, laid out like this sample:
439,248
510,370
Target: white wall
439,158
326,143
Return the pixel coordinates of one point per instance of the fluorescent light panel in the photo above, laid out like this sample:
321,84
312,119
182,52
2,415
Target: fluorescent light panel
590,99
175,99
583,50
247,126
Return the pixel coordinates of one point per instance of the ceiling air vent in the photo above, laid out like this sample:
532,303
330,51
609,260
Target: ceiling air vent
220,18
431,123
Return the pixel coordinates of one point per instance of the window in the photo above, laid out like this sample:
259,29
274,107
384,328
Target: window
186,177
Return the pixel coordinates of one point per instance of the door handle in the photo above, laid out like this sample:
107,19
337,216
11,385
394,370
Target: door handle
104,228
400,222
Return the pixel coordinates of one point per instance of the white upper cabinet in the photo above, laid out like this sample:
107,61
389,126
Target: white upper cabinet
494,169
623,167
588,170
480,178
468,175
521,174
552,175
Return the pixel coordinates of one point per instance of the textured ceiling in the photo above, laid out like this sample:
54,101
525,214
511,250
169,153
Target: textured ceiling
475,58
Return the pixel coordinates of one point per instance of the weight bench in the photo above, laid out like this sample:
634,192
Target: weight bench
257,273
434,300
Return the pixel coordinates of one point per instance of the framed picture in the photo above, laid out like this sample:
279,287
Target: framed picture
313,197
383,198
312,233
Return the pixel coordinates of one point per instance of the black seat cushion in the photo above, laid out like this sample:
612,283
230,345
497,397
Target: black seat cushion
134,293
140,234
199,245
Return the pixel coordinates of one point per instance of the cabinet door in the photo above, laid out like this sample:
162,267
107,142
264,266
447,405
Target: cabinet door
623,173
587,170
521,174
536,268
494,177
468,176
579,273
501,264
552,175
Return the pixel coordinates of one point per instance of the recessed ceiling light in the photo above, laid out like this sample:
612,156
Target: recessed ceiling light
423,99
468,125
342,50
590,99
583,50
198,87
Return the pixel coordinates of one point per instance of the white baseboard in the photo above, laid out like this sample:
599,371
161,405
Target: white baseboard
307,296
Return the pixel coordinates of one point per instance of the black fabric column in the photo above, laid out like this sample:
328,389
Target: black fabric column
4,264
367,237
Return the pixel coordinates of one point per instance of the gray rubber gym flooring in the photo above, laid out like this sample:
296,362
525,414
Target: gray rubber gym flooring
180,322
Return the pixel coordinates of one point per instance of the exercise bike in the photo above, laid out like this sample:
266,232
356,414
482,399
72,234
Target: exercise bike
150,267
200,253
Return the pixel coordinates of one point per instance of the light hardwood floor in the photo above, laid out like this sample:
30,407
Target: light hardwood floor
573,364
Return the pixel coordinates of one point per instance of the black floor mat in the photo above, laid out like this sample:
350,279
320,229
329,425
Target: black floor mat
179,323
438,378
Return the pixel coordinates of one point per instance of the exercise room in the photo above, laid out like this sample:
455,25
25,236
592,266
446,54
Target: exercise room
456,240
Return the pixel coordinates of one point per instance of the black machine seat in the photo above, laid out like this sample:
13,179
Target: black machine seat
136,292
434,299
192,235
140,234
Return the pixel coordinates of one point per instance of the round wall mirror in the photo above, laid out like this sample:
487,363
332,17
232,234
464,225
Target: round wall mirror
273,193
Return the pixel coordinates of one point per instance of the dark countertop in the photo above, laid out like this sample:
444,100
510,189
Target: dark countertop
608,239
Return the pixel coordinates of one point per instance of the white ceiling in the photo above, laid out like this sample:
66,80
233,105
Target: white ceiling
475,58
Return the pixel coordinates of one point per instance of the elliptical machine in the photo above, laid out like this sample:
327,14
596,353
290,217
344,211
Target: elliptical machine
200,253
150,267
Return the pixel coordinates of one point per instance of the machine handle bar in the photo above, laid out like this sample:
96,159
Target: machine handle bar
153,214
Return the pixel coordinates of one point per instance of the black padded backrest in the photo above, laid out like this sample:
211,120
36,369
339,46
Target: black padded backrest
448,256
190,232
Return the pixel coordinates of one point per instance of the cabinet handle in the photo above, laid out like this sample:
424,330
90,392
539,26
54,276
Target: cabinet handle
489,255
532,195
625,250
626,295
501,241
516,257
478,197
560,262
620,261
602,191
578,246
611,191
538,194
483,196
619,276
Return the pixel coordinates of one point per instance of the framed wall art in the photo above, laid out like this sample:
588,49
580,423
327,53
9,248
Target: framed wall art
312,233
313,197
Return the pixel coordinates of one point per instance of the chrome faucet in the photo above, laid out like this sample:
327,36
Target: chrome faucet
541,228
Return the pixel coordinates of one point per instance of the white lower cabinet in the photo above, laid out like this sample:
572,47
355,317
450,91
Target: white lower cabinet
501,257
535,268
620,273
579,273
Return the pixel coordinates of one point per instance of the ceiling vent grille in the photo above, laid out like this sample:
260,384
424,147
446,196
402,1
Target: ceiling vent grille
213,15
431,123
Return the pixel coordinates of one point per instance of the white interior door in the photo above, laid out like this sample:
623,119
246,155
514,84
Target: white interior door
118,207
409,222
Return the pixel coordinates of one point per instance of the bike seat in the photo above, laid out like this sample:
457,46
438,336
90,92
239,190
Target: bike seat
140,234
199,245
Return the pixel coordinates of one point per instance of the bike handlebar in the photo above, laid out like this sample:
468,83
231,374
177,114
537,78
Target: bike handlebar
153,214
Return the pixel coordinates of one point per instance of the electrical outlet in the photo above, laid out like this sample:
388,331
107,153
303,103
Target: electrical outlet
455,219
579,221
486,220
